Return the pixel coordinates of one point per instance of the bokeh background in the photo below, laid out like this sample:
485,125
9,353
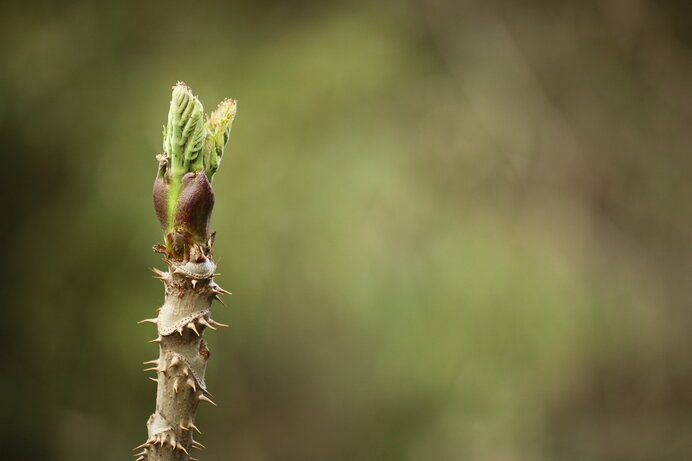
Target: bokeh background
454,230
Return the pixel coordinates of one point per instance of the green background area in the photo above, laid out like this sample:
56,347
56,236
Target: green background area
454,230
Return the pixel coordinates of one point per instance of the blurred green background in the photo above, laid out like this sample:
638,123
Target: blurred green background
454,230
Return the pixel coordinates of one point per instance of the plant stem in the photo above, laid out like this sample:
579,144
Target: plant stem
183,199
183,354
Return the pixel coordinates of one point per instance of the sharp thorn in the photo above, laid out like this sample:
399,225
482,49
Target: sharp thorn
183,428
151,362
149,321
175,361
196,444
180,330
173,443
157,340
144,445
191,382
186,371
159,274
141,453
153,379
214,322
192,426
194,283
216,297
192,327
222,291
206,399
150,369
204,322
141,458
180,447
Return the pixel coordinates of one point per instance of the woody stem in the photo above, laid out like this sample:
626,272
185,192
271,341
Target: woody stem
183,354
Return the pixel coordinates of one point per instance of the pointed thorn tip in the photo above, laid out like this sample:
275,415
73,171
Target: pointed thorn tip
216,297
204,322
182,448
206,399
192,327
149,321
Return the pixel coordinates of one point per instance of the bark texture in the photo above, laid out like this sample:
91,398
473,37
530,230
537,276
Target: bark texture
183,353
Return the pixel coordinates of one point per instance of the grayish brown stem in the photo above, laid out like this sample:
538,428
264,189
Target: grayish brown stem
183,354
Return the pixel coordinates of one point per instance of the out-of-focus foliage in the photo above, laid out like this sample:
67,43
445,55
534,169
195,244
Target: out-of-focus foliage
453,229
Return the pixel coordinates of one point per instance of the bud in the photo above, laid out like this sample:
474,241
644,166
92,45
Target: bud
182,194
185,131
195,203
160,195
219,131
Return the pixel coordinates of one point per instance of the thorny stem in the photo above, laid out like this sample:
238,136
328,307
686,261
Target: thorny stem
183,199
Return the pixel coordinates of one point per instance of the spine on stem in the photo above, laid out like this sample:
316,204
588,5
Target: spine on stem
183,200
